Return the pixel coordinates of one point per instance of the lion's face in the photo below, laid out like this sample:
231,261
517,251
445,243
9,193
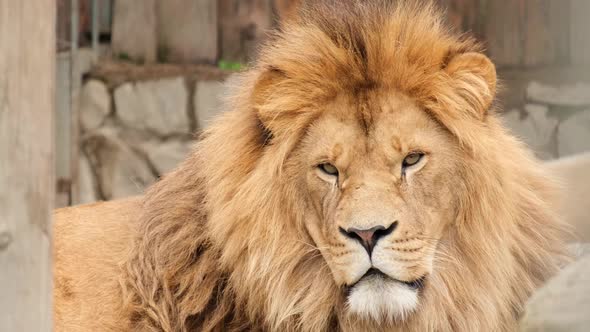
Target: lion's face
380,191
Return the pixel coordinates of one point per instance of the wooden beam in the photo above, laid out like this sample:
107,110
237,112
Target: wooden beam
27,74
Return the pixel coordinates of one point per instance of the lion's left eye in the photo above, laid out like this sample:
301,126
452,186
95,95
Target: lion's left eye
412,159
329,169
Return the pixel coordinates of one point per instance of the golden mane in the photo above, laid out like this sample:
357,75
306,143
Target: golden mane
221,244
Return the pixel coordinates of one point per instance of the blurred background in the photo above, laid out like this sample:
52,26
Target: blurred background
137,79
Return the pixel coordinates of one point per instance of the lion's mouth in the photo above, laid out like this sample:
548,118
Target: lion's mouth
374,273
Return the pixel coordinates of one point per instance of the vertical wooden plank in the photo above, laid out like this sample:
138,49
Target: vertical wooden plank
27,72
242,24
75,82
63,24
106,16
580,32
463,15
187,30
286,9
84,22
134,30
546,33
523,32
538,47
503,29
559,21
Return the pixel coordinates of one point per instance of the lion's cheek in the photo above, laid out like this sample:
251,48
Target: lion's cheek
404,268
347,266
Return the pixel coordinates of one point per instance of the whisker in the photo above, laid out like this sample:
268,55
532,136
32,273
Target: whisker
313,246
408,260
405,249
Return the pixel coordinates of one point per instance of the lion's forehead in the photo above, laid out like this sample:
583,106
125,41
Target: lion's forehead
397,126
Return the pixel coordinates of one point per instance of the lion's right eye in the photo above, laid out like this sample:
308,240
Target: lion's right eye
412,159
328,169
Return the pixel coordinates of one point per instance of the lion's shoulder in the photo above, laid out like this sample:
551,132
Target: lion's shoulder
90,242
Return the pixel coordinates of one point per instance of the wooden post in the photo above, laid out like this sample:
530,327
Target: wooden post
27,66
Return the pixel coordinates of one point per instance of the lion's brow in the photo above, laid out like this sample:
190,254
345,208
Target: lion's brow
396,144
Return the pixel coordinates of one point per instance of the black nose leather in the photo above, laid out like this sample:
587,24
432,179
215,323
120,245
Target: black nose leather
368,237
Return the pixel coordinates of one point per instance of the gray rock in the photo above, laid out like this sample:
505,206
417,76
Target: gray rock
579,249
187,30
574,134
134,30
567,95
158,106
573,175
95,104
207,101
88,186
121,171
535,128
165,156
563,304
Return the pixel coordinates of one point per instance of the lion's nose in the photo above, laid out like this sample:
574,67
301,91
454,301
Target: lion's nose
368,237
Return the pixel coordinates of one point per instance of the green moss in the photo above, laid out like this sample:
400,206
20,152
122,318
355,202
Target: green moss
229,65
124,57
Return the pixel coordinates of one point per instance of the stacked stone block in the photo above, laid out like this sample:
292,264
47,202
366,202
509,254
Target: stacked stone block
138,130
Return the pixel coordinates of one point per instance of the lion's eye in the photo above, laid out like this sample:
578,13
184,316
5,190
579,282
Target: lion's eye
412,159
329,169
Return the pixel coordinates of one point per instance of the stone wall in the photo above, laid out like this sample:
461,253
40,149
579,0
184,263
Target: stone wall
139,122
554,120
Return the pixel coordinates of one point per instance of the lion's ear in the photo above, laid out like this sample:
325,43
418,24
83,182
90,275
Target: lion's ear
274,101
473,77
262,95
263,89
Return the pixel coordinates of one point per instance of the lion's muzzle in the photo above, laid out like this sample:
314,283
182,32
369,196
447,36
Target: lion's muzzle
368,237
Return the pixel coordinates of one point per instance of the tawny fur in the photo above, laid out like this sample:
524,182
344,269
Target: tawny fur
220,242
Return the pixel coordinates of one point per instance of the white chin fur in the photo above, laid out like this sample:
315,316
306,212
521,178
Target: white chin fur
381,299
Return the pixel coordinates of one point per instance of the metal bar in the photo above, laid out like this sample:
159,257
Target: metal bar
95,26
74,109
75,25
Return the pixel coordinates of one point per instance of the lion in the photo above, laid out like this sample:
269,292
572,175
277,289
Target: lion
360,180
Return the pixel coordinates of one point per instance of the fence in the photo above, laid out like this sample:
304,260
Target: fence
517,33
